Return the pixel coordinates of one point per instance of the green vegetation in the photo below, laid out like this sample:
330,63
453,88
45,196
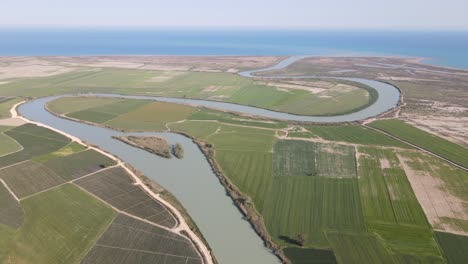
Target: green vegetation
35,141
79,164
455,247
423,139
354,134
106,112
116,187
65,105
337,96
178,151
312,205
29,178
311,189
449,182
300,158
197,129
385,191
229,118
60,226
8,145
153,116
128,240
11,213
359,248
309,255
6,104
69,149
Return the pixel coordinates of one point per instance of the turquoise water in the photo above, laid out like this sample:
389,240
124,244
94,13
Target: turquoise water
440,48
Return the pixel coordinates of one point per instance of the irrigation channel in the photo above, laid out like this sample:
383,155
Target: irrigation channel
191,179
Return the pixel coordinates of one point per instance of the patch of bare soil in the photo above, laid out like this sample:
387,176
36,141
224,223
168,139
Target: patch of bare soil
453,128
174,63
385,163
12,122
18,67
152,144
437,202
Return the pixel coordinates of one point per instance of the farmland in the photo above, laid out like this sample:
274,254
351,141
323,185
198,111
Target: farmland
58,221
116,187
454,247
35,141
6,104
8,145
441,190
345,190
309,256
386,193
423,139
354,134
28,178
11,213
319,97
60,226
344,193
131,241
78,164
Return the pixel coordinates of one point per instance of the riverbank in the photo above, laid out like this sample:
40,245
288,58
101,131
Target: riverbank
202,249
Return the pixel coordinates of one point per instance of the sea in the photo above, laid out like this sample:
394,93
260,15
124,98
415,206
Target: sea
436,47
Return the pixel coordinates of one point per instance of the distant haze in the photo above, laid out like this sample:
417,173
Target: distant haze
311,14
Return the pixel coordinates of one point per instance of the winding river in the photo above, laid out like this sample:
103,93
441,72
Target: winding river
191,180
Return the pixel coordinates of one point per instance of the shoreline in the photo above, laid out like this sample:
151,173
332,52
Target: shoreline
202,249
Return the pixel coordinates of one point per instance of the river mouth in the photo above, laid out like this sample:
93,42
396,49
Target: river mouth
191,179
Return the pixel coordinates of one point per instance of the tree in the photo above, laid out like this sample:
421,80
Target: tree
301,239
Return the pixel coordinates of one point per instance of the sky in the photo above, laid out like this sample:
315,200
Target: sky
300,14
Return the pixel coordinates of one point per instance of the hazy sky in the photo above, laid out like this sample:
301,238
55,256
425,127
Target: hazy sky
316,14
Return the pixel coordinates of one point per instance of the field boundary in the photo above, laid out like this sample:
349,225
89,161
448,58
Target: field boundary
11,192
201,248
419,148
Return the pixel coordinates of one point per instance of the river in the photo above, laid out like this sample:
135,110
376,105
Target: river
191,179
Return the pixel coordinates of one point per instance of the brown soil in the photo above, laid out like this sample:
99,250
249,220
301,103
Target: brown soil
437,202
153,144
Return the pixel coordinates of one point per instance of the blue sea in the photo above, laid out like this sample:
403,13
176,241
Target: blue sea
438,48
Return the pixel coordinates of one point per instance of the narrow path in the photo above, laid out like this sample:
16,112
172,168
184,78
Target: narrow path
183,226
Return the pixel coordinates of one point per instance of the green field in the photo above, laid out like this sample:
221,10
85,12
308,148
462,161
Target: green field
451,182
106,112
116,187
59,227
312,205
152,116
69,149
359,248
73,166
449,150
6,104
455,247
301,158
29,178
309,256
67,105
385,191
128,240
11,213
336,99
7,144
354,134
229,118
35,141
